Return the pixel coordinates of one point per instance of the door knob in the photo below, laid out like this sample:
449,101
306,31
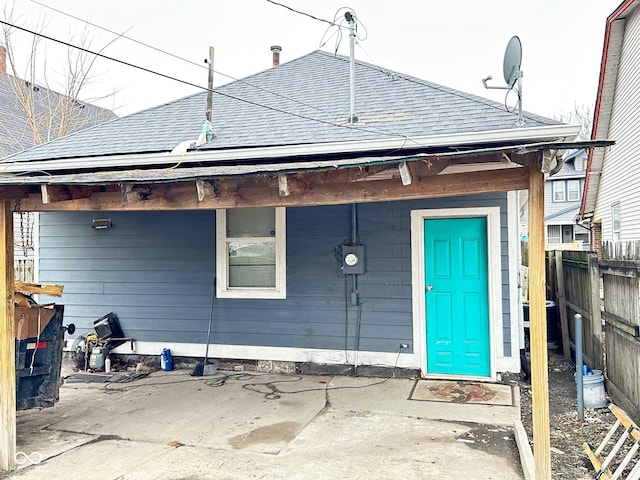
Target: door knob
429,288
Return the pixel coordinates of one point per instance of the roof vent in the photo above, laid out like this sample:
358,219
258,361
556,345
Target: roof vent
276,49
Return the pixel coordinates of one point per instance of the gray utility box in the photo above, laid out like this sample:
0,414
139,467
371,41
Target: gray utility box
352,259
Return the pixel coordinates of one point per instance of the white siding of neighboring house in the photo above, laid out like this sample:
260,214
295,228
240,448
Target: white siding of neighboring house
621,169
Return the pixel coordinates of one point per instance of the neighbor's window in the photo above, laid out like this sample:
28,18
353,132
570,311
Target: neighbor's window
250,252
573,190
615,221
554,234
559,191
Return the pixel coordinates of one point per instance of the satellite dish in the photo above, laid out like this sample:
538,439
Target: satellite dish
512,61
512,74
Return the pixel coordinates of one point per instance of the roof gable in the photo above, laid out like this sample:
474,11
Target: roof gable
304,101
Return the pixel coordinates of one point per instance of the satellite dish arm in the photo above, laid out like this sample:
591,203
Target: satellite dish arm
489,77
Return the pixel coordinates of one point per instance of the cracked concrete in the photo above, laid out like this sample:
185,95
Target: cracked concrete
173,426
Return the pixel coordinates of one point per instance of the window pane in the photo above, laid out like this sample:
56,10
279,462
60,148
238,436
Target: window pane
252,264
558,191
573,190
251,222
553,234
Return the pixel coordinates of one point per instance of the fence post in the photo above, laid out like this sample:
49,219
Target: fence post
596,317
562,307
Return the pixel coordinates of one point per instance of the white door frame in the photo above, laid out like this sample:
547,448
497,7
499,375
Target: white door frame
492,214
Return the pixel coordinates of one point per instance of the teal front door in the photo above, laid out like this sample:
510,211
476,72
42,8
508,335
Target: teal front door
457,296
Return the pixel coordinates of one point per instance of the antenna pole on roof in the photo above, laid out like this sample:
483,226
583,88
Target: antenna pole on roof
352,66
209,61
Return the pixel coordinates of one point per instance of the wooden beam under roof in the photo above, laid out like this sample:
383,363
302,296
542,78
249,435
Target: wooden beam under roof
308,189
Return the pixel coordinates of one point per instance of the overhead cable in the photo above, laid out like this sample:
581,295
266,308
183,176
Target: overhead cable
191,84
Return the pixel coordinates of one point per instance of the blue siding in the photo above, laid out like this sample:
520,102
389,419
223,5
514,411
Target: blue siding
155,270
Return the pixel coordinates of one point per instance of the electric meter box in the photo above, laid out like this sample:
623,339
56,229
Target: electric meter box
352,259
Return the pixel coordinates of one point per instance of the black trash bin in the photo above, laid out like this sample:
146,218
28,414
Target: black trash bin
39,343
553,327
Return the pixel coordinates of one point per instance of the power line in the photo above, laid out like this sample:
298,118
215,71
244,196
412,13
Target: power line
159,50
299,12
169,77
177,57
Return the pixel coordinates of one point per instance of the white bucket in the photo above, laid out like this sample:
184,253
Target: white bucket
593,390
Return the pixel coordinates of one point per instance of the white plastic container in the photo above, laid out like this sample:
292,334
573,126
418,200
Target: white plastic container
593,392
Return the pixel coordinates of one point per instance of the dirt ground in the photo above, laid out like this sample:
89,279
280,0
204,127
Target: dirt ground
568,459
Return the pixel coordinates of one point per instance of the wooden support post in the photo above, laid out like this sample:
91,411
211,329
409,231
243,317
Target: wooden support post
7,343
538,327
562,307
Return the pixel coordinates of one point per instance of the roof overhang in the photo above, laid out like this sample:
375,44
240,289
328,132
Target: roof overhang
440,144
480,159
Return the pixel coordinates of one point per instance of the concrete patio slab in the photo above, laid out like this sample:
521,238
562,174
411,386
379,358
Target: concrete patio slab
173,426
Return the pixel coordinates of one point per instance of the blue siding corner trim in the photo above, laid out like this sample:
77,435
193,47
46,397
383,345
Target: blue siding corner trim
155,271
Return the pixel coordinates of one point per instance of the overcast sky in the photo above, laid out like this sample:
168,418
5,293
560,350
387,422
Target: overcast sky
453,43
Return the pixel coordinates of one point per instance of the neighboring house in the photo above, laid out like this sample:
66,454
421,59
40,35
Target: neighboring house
562,196
611,205
53,114
390,242
563,193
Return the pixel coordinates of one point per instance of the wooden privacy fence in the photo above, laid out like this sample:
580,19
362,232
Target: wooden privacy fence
611,316
621,313
574,282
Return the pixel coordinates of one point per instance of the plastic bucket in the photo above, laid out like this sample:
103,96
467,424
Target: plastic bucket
593,390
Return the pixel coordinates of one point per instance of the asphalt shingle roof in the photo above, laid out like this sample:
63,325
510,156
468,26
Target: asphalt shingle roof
295,103
16,133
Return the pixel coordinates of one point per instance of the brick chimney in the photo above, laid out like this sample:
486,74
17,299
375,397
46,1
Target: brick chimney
3,59
276,49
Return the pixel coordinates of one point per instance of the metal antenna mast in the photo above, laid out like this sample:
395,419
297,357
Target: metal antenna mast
352,66
209,61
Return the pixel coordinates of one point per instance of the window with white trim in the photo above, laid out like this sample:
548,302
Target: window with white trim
554,234
251,252
567,190
559,191
573,190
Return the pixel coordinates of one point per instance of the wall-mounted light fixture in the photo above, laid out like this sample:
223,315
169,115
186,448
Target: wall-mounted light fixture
101,223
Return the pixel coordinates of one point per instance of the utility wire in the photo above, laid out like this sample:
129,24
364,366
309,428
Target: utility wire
177,57
245,82
299,12
233,97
